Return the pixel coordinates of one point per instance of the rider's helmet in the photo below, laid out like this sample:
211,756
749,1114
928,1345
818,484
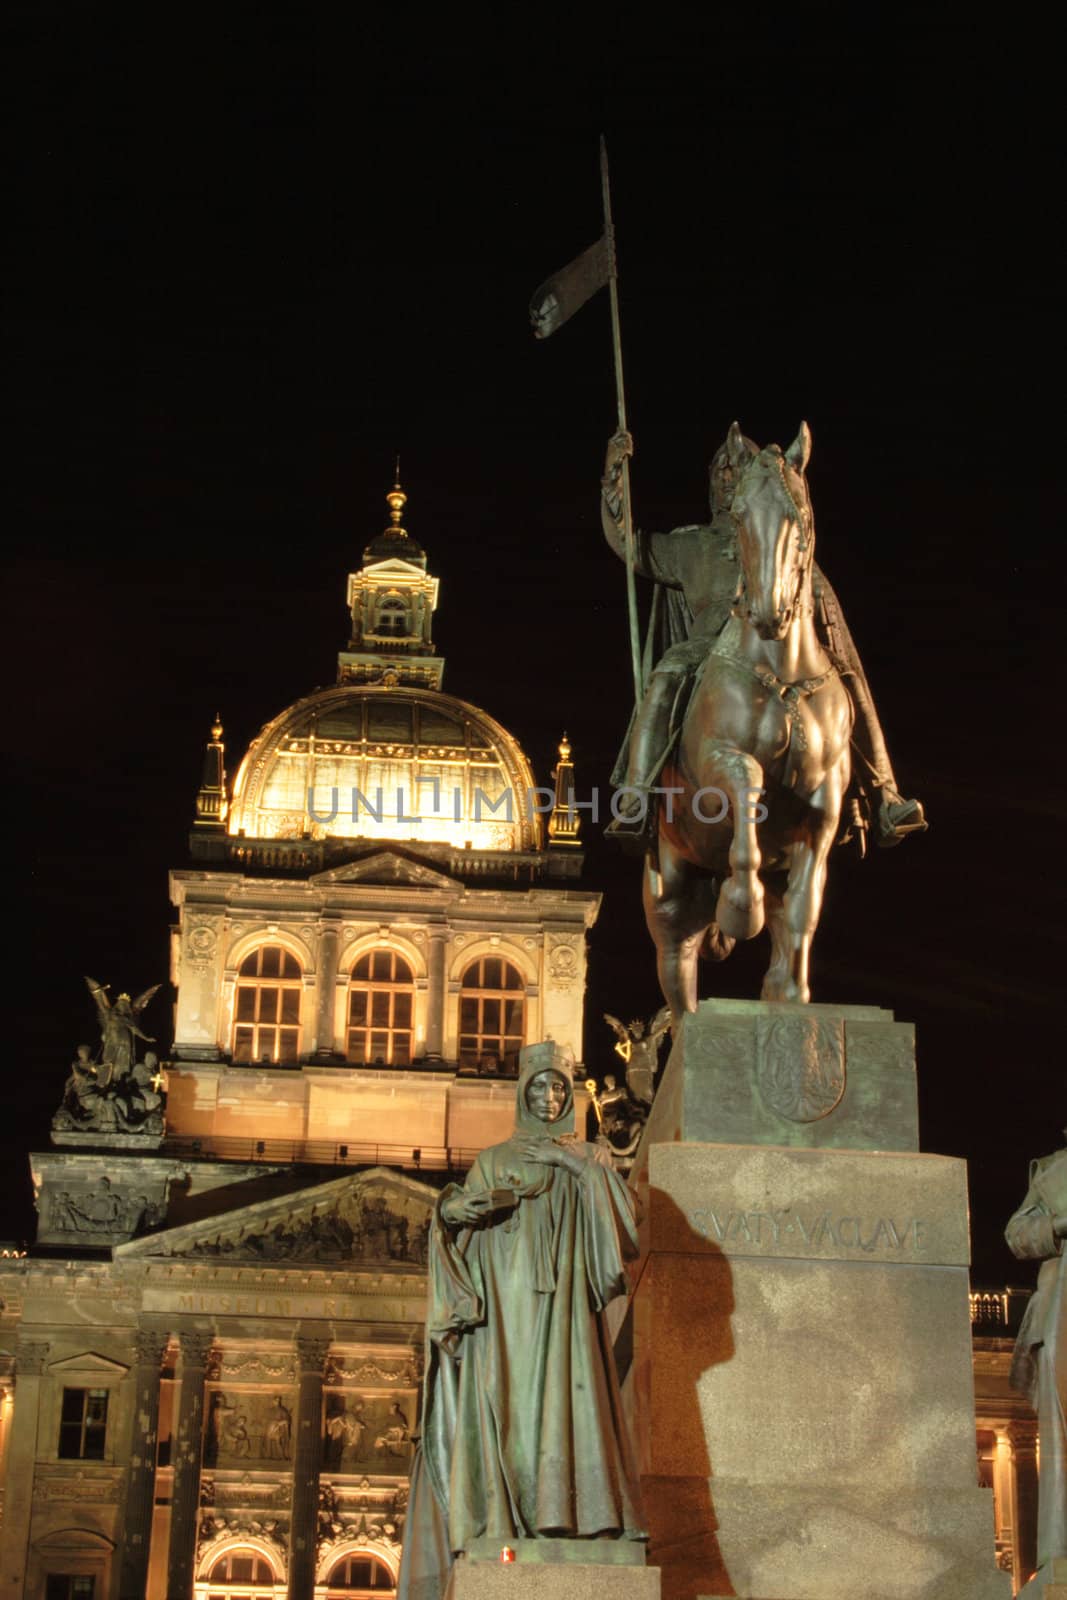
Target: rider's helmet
722,473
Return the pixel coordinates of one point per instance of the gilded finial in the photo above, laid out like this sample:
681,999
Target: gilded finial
396,500
564,824
211,802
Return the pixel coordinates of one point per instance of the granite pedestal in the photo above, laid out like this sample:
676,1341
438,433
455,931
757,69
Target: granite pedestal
798,1341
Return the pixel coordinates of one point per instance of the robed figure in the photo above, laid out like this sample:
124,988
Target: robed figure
522,1428
1039,1365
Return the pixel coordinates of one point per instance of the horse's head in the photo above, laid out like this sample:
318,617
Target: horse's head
775,532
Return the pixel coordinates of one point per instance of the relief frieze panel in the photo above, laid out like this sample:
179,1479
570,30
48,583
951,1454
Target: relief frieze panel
100,1212
358,1219
367,1432
242,1426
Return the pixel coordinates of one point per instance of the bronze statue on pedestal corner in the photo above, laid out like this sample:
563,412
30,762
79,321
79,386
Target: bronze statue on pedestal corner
522,1433
1039,1366
774,686
622,1109
116,1094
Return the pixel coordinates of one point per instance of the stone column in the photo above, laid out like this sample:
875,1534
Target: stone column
150,1344
188,1437
30,1359
327,981
436,997
307,1460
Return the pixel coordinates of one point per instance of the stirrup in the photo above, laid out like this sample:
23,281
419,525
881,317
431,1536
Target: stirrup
897,818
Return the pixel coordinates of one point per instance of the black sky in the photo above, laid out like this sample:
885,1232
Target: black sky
256,252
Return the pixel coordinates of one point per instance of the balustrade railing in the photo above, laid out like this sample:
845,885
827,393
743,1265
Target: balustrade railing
320,1152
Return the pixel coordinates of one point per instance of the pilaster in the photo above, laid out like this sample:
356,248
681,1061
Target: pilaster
307,1461
435,1019
30,1358
195,1348
149,1344
327,983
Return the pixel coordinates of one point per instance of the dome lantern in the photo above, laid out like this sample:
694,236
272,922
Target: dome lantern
391,601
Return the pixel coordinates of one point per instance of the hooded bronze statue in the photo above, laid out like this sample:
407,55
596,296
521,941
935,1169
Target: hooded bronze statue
1037,1232
522,1428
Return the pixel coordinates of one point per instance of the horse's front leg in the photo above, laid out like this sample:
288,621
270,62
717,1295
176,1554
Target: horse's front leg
738,777
679,905
794,917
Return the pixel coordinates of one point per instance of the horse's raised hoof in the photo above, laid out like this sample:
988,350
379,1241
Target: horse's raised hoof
739,912
715,945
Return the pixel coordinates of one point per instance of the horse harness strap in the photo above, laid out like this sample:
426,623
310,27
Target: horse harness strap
790,694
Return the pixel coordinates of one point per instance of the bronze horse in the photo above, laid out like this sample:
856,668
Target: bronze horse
762,763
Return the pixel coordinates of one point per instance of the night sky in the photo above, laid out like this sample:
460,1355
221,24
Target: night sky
254,255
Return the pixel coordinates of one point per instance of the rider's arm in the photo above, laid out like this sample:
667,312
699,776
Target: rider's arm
649,548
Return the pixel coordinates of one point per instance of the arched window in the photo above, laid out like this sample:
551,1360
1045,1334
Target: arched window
267,1006
381,1010
492,1015
392,617
360,1573
241,1575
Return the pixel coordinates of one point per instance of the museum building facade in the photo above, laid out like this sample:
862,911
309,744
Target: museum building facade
210,1359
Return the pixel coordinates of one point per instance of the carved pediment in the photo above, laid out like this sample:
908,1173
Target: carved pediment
393,567
378,1217
87,1365
388,866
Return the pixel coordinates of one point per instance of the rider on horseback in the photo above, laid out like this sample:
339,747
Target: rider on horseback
699,563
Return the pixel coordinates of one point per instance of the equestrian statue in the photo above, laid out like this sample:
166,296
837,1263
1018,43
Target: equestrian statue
757,726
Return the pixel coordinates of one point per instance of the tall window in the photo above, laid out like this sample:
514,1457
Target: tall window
492,1015
241,1575
359,1574
83,1424
381,1010
267,1011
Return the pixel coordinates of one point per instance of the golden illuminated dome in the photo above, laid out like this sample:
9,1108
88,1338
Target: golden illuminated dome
358,761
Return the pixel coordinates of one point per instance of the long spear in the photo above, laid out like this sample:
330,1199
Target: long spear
620,400
556,300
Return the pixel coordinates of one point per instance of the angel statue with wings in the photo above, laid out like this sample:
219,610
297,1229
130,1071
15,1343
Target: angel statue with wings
118,1030
638,1045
